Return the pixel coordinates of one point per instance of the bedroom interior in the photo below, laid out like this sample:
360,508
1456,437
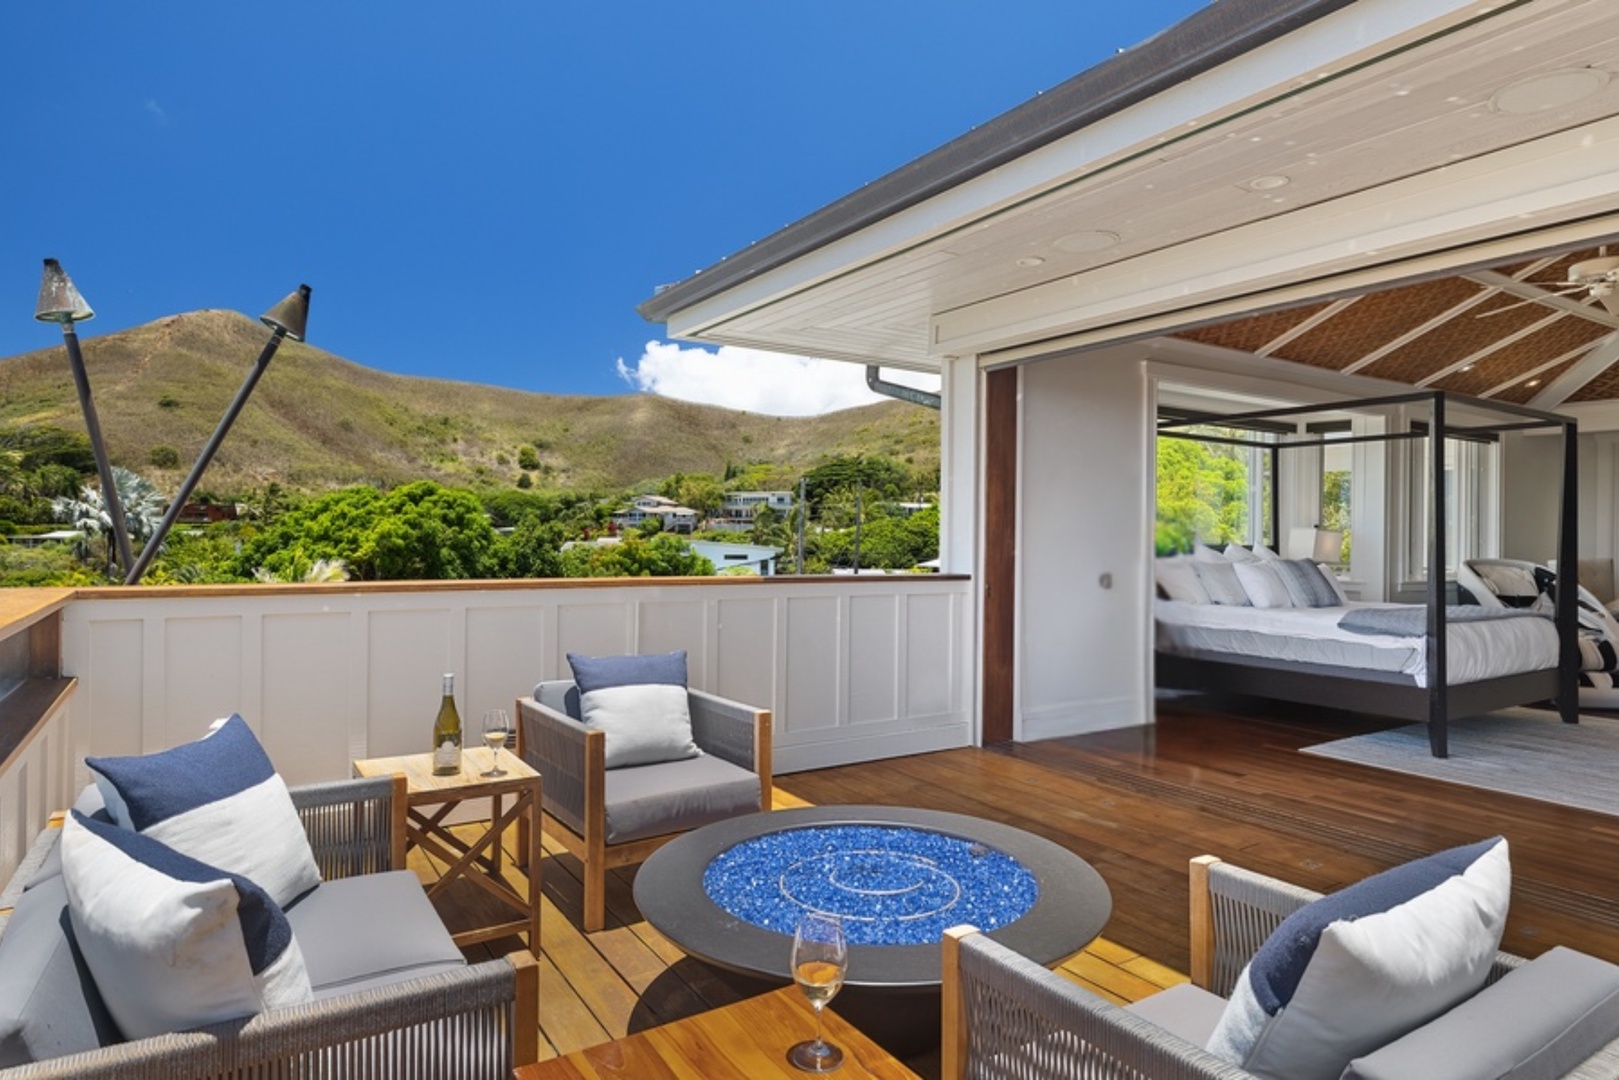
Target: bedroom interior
1527,661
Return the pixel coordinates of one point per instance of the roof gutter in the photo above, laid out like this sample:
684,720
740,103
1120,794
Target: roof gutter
1221,32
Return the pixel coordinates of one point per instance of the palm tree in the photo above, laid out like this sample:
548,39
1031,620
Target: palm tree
87,512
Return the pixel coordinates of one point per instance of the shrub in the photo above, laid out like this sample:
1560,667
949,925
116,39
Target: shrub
164,457
528,458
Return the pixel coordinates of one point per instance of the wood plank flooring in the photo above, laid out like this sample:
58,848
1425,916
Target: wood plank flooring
598,987
1211,777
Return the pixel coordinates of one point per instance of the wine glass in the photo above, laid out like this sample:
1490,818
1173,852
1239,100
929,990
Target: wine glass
497,726
820,959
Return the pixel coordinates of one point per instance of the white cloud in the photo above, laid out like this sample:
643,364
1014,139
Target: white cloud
756,381
157,111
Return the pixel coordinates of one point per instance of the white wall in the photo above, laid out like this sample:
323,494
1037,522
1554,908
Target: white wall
40,782
1531,491
853,669
1084,509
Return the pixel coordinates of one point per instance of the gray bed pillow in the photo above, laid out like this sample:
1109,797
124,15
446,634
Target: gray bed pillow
1306,584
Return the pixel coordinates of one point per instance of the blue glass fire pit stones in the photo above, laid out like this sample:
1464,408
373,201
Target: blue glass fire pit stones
891,885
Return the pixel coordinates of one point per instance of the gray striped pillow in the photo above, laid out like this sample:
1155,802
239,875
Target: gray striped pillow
1306,584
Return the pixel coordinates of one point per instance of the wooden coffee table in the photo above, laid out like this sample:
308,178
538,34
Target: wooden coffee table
744,1041
430,799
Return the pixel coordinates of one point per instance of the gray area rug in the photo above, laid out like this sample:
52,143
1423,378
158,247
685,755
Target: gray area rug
1516,751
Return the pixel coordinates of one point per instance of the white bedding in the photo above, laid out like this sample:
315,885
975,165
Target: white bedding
1477,650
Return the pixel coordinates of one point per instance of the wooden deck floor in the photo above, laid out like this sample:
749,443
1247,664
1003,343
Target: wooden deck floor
598,987
1137,804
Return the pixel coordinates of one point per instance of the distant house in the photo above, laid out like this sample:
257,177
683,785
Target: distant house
724,556
741,507
675,518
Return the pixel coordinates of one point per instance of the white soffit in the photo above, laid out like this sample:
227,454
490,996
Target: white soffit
1383,107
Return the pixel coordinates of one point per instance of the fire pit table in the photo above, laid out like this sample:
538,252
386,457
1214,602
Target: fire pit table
731,893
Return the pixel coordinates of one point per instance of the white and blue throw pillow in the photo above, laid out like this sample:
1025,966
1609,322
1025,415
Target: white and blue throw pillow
1365,965
172,942
218,800
639,702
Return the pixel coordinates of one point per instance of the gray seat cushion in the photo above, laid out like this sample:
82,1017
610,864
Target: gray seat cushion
49,1005
560,695
1536,1023
361,932
90,804
1185,1010
673,796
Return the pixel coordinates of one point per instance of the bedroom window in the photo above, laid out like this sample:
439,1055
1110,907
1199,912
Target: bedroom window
1468,507
1337,490
1214,485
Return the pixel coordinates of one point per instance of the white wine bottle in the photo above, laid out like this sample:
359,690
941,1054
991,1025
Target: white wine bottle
447,733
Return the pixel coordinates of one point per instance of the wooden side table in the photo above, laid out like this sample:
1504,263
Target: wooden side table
744,1041
430,799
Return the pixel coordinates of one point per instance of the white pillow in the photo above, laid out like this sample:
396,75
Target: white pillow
1220,581
218,800
171,942
1265,554
1238,554
1203,553
1361,967
640,703
1507,580
1263,585
1178,578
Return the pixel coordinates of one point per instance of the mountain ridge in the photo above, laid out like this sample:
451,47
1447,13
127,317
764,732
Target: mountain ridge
318,421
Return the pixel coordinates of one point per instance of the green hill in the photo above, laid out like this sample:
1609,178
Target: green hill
317,421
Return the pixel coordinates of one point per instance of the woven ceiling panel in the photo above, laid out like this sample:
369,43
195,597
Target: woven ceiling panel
1522,392
1252,333
1521,356
1460,337
1374,320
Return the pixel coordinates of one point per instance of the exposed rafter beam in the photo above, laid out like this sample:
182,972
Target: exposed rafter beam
1601,357
1584,309
1538,369
1270,347
1492,348
1442,318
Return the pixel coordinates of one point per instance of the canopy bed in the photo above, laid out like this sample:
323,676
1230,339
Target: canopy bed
1424,662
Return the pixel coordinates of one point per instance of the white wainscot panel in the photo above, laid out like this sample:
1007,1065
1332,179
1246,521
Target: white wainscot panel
202,675
591,629
306,694
408,656
114,676
873,652
745,645
814,669
505,657
668,625
930,670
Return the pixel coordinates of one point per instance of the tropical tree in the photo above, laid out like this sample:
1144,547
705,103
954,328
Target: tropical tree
87,512
664,555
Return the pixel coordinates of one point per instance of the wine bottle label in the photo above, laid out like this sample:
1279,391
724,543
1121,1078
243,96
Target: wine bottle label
447,756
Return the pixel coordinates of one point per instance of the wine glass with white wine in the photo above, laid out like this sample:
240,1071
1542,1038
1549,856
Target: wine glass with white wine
497,727
820,960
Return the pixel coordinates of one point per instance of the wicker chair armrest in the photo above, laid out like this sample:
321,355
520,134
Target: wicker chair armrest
351,825
553,745
474,1022
33,859
1018,1021
727,729
1241,909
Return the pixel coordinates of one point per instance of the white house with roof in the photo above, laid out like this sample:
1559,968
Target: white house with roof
741,507
643,508
1273,202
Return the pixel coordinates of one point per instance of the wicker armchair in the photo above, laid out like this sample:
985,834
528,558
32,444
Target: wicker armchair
474,1022
581,795
1008,1018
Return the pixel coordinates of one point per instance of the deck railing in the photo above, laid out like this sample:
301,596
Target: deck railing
854,668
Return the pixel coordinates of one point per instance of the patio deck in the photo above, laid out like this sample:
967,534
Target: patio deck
1211,777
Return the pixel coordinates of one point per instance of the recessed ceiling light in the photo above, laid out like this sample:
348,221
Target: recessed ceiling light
1030,260
1083,243
1268,183
1532,382
1549,90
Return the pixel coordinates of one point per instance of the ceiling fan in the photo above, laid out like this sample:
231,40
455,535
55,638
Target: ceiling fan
1598,278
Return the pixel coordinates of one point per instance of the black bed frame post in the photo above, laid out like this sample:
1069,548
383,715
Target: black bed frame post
1438,677
1568,581
1275,500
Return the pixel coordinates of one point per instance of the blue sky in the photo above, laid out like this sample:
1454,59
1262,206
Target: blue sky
485,190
